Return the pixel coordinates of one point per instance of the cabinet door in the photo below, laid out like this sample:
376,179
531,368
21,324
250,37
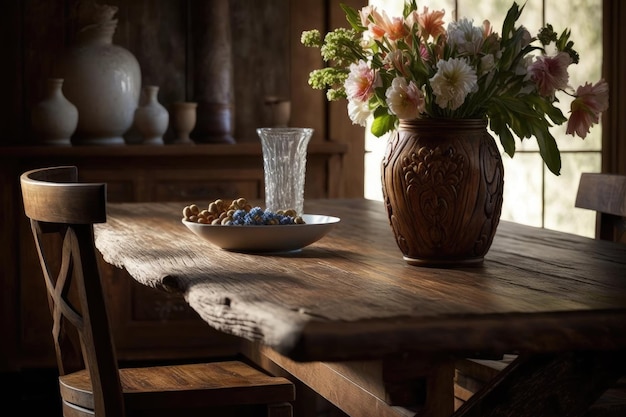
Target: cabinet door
201,186
152,324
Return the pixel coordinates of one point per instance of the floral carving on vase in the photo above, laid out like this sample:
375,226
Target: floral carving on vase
435,175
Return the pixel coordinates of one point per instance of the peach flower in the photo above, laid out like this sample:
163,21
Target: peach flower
431,24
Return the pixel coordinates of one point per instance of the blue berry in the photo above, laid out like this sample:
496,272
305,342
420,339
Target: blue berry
258,216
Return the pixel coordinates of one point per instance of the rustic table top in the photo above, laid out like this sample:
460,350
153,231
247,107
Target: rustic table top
351,295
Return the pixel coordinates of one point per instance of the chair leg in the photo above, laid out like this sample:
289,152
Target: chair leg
279,410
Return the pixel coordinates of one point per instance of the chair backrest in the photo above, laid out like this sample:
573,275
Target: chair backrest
606,194
62,213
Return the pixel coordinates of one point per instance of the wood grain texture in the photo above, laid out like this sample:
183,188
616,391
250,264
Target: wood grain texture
351,295
355,389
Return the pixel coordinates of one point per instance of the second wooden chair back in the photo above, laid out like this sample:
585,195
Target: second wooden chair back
62,214
606,194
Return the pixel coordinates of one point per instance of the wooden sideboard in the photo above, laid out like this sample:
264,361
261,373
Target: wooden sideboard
147,324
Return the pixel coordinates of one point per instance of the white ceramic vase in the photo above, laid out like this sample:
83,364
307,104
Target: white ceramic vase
103,81
54,119
151,118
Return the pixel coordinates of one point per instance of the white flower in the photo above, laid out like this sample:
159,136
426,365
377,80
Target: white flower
487,63
526,37
359,112
467,38
404,100
454,80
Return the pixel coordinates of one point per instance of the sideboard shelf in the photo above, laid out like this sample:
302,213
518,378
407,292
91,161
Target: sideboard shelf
122,151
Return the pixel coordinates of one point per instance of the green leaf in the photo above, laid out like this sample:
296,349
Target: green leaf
499,127
352,16
382,124
507,140
509,22
549,151
409,6
553,112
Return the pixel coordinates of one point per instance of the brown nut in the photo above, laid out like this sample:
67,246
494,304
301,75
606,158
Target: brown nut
290,213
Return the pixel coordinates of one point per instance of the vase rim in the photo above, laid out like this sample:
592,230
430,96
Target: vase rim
450,122
102,32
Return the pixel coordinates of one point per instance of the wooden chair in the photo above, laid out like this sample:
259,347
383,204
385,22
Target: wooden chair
90,379
606,194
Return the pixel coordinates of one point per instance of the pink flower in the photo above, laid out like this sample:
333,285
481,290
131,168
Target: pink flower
550,73
405,100
586,108
361,82
365,13
399,62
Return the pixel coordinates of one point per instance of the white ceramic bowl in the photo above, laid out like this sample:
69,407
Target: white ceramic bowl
266,238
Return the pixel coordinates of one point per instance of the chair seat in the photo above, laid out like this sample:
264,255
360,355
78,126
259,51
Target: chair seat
213,384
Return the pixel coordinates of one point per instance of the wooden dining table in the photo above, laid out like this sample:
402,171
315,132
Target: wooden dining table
349,318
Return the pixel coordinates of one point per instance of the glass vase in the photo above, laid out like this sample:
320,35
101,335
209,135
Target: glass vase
284,165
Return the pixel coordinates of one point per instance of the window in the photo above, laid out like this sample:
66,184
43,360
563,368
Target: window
532,194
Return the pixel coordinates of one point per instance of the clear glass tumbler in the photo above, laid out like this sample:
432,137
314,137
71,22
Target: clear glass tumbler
284,164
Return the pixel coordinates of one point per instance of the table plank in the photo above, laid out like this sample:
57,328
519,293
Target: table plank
350,295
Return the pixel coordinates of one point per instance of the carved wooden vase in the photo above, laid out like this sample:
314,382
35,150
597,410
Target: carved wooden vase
442,185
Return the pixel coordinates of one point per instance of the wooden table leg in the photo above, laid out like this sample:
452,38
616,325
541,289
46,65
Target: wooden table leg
394,387
564,384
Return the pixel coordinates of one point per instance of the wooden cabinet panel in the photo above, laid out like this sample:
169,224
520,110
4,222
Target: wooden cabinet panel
201,192
203,186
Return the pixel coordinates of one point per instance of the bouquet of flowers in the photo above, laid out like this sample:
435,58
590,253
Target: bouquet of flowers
413,66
